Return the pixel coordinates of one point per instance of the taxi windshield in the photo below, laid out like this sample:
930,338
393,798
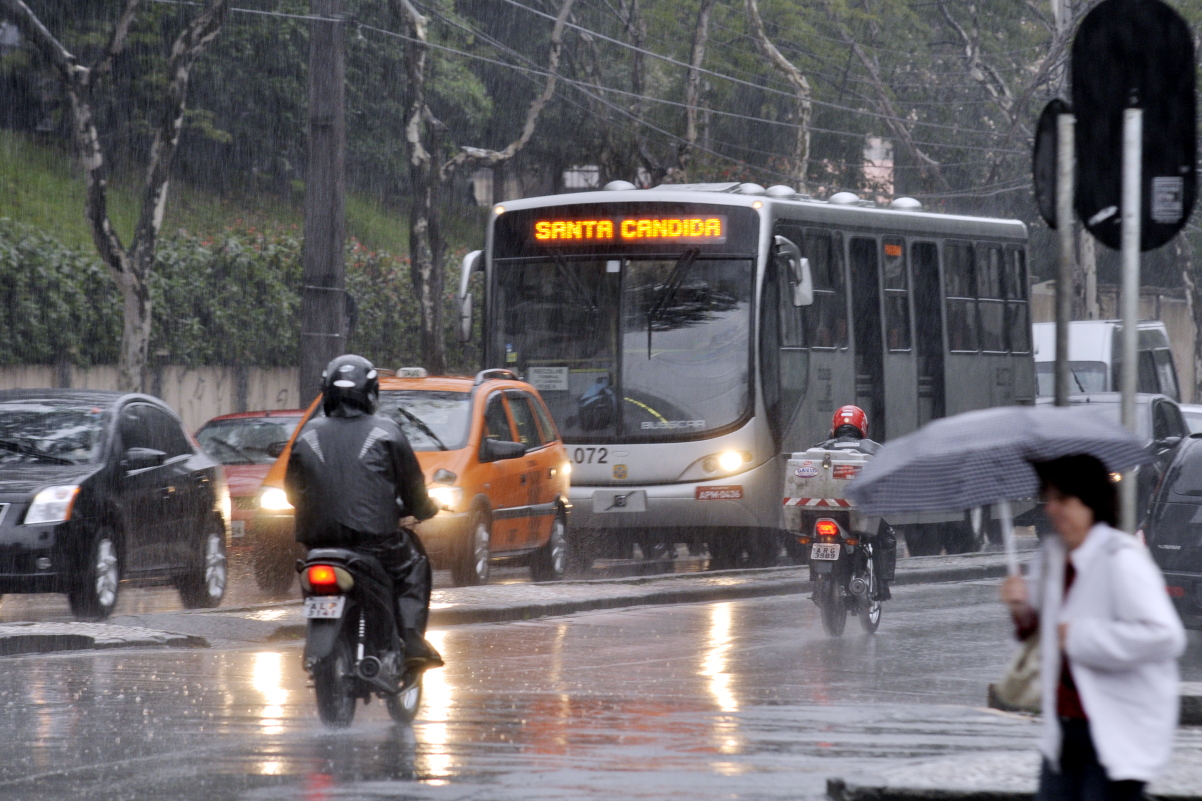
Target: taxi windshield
432,421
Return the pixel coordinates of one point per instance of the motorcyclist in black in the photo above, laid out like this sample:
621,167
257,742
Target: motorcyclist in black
849,431
352,477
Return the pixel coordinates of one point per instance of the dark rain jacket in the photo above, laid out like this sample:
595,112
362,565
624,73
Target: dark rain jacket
847,442
349,471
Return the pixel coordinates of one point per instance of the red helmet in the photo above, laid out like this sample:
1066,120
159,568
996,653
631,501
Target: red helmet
850,416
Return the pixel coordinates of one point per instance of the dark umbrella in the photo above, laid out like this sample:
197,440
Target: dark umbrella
985,457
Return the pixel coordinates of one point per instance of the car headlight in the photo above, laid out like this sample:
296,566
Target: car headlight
274,499
52,505
566,469
446,497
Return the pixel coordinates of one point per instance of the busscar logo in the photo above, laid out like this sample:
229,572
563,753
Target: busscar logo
661,424
731,492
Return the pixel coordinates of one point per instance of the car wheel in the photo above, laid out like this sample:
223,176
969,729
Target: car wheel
550,562
473,563
94,594
203,586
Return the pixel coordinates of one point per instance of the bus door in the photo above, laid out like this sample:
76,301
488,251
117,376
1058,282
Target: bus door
928,331
866,322
901,376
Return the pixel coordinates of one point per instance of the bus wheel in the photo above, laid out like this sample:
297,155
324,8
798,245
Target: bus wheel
725,554
923,540
959,538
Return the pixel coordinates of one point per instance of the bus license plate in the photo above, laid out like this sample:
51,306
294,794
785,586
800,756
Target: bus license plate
324,607
826,551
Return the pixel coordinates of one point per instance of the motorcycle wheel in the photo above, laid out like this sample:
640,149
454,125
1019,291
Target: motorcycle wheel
870,616
334,682
402,707
833,607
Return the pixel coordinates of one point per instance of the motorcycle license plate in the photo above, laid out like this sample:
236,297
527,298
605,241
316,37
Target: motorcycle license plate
324,606
828,551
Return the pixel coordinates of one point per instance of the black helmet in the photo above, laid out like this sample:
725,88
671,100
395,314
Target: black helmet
350,381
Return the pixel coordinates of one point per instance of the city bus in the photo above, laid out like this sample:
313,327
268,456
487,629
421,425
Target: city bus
688,338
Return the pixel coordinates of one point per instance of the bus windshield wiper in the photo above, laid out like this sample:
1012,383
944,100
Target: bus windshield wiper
421,424
23,446
675,279
573,281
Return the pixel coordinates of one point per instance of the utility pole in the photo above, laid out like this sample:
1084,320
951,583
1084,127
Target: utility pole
323,300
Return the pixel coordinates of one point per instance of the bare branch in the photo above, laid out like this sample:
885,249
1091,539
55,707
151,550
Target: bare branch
801,86
117,42
982,73
493,157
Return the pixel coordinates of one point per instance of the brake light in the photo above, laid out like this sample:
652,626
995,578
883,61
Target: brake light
323,580
1176,592
826,528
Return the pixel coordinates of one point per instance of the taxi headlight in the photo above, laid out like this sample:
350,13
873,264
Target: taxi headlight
730,461
52,505
274,499
446,497
566,469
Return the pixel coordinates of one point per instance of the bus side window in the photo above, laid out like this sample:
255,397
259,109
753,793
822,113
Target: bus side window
990,303
826,319
961,297
1018,326
897,292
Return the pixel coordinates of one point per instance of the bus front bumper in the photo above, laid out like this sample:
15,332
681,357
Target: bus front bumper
749,499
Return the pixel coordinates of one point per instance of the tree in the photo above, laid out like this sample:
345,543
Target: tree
434,160
130,265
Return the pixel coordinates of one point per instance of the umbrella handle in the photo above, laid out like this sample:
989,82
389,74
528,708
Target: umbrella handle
1003,510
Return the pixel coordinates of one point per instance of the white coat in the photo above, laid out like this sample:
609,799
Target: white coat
1124,638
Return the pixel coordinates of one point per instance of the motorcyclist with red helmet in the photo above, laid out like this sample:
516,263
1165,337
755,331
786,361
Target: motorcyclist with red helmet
849,431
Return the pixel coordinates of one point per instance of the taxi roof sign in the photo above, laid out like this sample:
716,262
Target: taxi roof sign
412,372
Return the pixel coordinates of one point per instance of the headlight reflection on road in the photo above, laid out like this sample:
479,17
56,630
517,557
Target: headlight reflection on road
433,759
267,677
714,664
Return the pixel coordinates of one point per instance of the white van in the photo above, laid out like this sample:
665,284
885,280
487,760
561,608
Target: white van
1094,355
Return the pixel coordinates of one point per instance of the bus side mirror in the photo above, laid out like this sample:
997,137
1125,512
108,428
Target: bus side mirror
790,262
471,262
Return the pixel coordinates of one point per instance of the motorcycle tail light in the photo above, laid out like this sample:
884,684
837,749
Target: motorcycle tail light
826,528
326,580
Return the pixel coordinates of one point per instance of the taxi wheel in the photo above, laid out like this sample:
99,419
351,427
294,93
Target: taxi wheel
550,562
472,565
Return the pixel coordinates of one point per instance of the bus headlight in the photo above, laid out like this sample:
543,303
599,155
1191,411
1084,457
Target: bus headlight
730,461
274,499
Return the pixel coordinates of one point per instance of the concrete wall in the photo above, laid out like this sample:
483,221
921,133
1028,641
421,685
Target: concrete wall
197,394
1165,305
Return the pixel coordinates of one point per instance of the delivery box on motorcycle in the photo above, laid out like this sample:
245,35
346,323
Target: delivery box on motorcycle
816,484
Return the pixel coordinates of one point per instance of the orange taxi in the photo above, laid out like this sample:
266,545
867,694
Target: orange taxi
494,462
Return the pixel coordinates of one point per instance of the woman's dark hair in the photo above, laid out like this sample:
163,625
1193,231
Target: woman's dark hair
1085,478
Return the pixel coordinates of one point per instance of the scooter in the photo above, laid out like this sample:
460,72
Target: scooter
844,575
353,648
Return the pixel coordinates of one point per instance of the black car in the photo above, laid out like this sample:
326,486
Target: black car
1173,530
97,487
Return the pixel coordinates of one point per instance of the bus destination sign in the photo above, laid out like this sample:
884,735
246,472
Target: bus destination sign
695,230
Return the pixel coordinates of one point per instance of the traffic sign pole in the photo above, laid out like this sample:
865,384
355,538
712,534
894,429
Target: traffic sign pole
1065,169
1133,133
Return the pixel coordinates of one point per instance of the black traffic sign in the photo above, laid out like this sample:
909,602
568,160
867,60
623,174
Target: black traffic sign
1134,54
1044,160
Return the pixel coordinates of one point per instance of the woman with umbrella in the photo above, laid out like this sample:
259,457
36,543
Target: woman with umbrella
1109,640
1109,636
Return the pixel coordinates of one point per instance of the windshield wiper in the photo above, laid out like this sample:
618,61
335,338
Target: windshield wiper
421,424
561,265
234,448
1078,380
23,447
675,279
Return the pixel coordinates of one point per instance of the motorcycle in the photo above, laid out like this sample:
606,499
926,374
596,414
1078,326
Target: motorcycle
353,647
844,575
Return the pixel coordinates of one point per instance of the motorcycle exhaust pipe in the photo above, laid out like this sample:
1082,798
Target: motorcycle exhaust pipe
857,585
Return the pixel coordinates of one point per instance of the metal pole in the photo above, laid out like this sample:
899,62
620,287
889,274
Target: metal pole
1133,133
323,299
1065,170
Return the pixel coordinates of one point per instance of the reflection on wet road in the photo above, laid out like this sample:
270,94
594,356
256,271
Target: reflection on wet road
743,699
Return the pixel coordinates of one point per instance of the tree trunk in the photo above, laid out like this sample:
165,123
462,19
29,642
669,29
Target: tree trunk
799,163
1193,300
135,333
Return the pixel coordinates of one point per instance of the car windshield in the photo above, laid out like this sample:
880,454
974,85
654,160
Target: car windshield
1111,412
1193,420
432,421
1090,377
48,431
630,349
246,440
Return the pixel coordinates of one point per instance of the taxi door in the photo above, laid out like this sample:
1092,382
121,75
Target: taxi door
536,467
503,480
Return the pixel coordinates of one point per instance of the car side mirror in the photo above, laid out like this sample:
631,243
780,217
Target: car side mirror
141,458
276,448
497,449
471,263
1165,443
791,263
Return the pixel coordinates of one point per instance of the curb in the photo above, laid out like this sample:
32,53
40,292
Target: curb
841,790
501,614
44,638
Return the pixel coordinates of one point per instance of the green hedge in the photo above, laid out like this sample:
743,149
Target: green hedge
228,299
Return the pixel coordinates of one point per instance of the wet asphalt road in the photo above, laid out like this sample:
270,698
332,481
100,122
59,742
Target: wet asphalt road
745,699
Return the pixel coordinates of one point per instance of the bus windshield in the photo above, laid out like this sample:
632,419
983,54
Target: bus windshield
630,349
